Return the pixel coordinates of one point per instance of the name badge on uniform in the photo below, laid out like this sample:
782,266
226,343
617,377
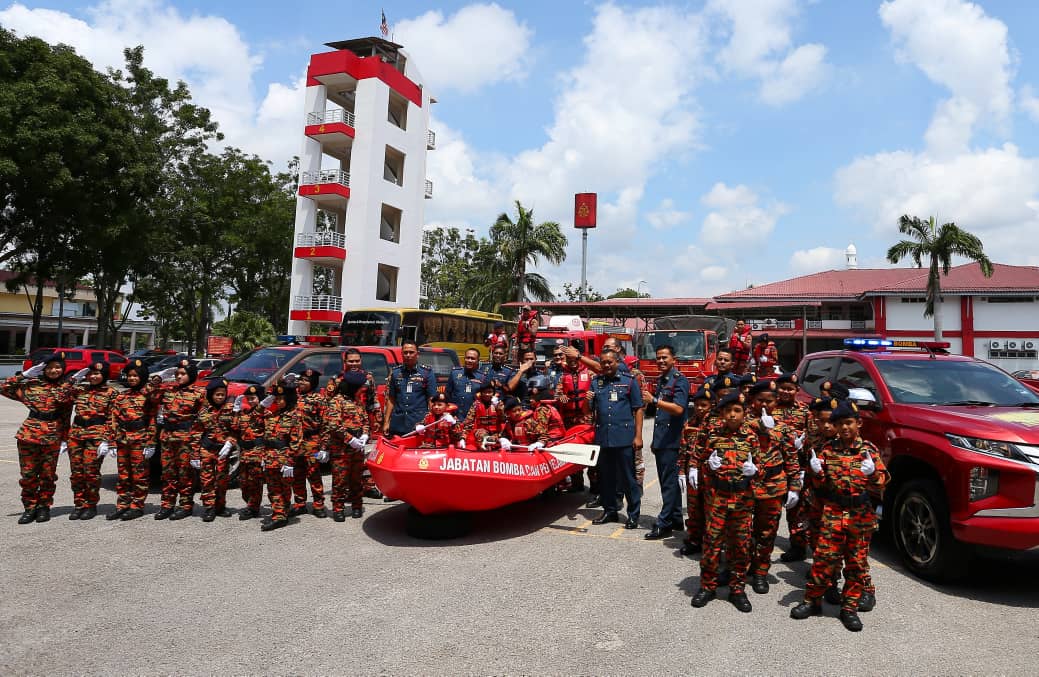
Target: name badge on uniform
613,396
408,389
468,387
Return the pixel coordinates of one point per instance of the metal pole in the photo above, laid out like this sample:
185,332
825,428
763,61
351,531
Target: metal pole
584,264
804,330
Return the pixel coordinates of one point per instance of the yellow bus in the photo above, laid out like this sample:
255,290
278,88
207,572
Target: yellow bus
456,328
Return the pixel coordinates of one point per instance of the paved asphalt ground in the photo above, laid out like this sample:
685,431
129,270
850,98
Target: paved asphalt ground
534,589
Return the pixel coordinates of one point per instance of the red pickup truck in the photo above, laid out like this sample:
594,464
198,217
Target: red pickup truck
960,438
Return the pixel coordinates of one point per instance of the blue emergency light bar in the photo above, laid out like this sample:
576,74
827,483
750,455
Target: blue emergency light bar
867,343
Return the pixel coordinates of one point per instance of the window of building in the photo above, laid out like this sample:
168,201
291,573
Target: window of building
393,167
1010,299
386,283
389,226
913,299
397,110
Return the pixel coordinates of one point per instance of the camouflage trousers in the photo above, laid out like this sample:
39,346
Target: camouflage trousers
727,523
132,486
767,513
306,469
178,477
85,471
844,538
39,476
347,484
213,479
279,488
250,479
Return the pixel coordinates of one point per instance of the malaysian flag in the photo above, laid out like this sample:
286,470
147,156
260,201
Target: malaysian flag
384,27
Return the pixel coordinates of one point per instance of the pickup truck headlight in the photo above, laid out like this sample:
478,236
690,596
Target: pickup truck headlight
1024,453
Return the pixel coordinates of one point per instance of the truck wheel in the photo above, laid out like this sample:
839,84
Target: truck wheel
437,527
923,534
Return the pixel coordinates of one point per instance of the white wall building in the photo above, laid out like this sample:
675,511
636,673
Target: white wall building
360,207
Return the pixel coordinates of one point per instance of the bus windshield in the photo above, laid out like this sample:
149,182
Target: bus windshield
688,345
367,328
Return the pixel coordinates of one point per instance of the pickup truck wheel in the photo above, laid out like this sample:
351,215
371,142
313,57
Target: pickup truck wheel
923,534
436,527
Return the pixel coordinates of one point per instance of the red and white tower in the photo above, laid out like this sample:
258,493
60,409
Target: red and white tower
363,186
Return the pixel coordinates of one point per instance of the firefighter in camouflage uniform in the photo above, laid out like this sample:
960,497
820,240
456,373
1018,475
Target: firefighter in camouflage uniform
130,435
306,468
247,427
794,415
850,475
689,469
179,403
40,438
344,433
282,442
92,401
212,448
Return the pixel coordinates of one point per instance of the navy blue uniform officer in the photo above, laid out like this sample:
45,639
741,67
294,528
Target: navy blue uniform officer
671,400
464,383
408,390
617,405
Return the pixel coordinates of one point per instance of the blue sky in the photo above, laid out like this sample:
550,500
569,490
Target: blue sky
731,142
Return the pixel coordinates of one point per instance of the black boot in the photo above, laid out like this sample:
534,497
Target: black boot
594,502
702,597
74,515
851,621
164,513
339,515
298,510
832,595
43,514
806,609
759,584
181,513
27,516
88,513
740,601
794,554
320,512
132,514
373,493
247,514
867,602
118,514
690,548
271,525
209,516
356,513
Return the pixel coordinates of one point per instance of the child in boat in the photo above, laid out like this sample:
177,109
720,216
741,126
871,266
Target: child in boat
440,429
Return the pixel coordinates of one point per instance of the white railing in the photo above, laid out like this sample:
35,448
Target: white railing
325,176
429,188
322,238
330,116
431,140
321,302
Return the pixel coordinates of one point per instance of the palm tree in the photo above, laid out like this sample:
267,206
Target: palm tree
938,244
521,243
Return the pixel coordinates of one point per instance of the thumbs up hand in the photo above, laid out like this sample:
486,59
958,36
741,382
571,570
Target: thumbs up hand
713,462
767,420
815,464
799,441
749,469
868,466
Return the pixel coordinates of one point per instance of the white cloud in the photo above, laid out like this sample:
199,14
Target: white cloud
713,273
666,215
1029,102
464,196
961,48
806,261
496,45
760,46
737,218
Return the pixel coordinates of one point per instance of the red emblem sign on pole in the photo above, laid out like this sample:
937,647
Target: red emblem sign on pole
584,210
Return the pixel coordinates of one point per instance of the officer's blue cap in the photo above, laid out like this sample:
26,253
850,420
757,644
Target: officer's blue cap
731,398
831,389
844,409
511,403
255,390
748,379
724,381
764,385
138,366
102,367
354,377
215,384
787,377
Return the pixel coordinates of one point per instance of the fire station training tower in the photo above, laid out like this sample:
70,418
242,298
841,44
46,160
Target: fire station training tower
362,183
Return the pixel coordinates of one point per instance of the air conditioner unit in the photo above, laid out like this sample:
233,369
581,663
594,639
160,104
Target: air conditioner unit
771,322
995,345
755,326
1012,345
1030,345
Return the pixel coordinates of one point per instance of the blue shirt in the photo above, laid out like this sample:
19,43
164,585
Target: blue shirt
615,402
502,375
411,390
462,387
667,428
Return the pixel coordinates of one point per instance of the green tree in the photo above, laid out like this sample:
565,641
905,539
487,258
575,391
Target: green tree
628,293
248,330
936,244
449,271
523,243
572,293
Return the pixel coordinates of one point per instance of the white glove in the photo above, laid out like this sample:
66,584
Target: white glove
505,444
286,471
64,447
449,419
102,449
81,374
792,498
868,466
495,401
880,511
160,417
681,482
799,441
420,428
33,372
694,478
713,462
321,456
460,445
763,360
537,445
238,403
290,380
815,464
749,469
112,450
267,402
356,443
225,450
196,464
767,420
148,452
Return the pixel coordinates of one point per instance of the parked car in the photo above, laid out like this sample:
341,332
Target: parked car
960,438
78,358
206,365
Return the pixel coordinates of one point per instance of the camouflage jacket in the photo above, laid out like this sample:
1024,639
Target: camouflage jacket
778,469
49,405
794,416
312,407
213,427
282,435
734,448
842,485
180,405
247,428
344,420
92,406
131,418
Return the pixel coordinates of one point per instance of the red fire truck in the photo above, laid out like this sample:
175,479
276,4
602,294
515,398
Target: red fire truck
565,330
695,339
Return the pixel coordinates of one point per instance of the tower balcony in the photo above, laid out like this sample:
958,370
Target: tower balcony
429,189
431,139
328,187
320,308
325,248
334,130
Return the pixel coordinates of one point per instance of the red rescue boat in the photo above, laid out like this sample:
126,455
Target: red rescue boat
450,480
